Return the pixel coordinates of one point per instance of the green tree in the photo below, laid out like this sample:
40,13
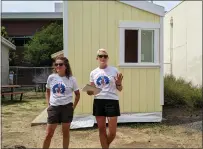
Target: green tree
44,43
5,34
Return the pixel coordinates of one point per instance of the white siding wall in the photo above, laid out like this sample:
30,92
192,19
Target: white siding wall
4,64
186,42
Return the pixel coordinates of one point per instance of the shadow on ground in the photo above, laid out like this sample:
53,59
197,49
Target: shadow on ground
172,116
181,115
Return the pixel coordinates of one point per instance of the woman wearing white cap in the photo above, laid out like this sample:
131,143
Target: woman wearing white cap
106,103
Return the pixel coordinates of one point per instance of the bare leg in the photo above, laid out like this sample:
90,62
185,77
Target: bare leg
101,121
66,134
112,125
49,134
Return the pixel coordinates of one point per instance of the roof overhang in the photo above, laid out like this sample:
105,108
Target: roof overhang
31,15
8,43
59,53
147,6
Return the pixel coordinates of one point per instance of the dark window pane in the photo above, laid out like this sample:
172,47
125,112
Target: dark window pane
19,42
131,46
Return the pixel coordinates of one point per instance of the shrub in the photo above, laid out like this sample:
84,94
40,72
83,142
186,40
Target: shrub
180,92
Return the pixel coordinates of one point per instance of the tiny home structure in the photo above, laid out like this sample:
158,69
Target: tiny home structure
183,41
132,33
6,46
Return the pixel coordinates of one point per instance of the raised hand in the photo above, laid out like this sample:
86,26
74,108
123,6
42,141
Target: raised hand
119,79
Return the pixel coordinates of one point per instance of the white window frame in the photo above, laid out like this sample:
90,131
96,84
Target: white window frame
139,26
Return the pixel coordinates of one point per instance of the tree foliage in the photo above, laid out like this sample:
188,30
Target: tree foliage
44,43
5,34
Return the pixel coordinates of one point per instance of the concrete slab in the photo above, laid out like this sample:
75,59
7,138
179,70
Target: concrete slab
88,120
40,119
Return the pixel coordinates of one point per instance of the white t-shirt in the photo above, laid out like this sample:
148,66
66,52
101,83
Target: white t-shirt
104,79
61,89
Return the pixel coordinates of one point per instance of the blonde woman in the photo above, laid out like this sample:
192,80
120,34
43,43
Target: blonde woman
106,103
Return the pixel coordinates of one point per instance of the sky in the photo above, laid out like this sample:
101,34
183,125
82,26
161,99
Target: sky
48,6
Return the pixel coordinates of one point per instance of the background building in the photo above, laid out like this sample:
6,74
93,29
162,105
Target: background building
23,25
6,46
183,41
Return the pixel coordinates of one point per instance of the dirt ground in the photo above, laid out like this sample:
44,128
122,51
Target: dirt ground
171,133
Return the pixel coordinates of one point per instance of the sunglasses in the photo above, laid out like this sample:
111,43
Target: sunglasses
58,64
105,56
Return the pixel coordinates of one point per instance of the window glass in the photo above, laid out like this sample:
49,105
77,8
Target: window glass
131,46
147,46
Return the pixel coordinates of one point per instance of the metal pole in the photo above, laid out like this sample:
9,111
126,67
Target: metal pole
171,44
17,75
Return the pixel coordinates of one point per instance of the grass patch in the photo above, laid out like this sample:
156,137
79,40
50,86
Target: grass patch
10,107
178,92
28,98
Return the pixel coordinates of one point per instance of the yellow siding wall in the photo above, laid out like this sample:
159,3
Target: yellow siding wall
93,25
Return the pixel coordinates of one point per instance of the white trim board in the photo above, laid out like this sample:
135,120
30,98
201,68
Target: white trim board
143,25
143,65
32,15
161,61
65,28
147,6
8,43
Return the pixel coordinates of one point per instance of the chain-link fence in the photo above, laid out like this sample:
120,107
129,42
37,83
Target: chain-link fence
30,75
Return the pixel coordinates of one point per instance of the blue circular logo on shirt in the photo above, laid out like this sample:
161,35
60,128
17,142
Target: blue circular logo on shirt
102,80
58,88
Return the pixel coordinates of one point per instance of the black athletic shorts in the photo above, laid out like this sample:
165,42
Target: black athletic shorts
60,114
106,107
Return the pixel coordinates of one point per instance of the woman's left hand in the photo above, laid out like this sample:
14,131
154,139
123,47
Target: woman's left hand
119,79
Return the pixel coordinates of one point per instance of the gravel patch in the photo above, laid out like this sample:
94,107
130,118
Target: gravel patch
195,125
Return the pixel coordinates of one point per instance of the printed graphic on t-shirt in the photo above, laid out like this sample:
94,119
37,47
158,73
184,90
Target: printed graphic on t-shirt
59,89
102,80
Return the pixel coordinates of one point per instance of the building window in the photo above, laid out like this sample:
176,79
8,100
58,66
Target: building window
21,40
139,44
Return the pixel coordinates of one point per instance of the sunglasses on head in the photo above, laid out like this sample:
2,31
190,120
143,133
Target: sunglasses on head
105,56
58,64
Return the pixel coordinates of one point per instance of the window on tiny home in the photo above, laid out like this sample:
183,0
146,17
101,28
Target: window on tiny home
147,46
139,43
134,37
131,46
